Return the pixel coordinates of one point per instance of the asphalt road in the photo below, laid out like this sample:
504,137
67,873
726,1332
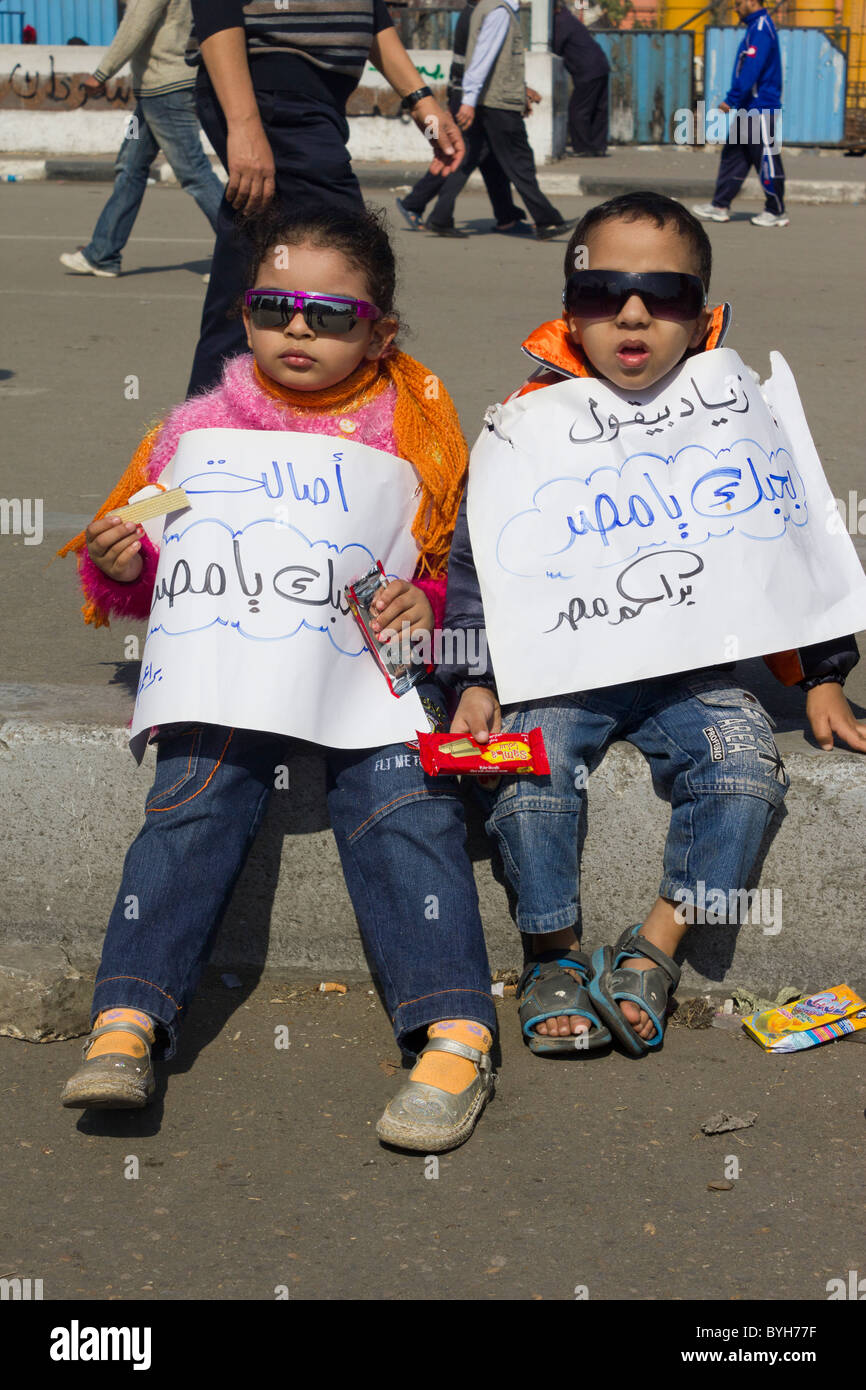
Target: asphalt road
259,1167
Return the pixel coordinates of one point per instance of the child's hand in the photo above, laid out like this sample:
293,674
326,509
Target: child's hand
114,546
829,713
478,713
398,603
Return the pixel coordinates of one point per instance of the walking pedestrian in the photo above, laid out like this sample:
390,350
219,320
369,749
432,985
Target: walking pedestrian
271,90
495,94
587,66
755,103
152,37
478,154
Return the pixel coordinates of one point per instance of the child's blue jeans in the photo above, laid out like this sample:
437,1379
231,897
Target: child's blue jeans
711,750
401,837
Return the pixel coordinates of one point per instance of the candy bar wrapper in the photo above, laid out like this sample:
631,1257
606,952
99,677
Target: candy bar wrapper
400,672
503,754
820,1018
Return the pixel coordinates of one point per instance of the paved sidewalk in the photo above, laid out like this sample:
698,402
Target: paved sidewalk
813,176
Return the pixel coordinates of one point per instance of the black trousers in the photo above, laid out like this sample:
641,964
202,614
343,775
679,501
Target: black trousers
506,135
446,188
313,170
587,115
751,145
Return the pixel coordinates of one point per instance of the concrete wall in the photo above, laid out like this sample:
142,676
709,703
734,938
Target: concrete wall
72,802
45,110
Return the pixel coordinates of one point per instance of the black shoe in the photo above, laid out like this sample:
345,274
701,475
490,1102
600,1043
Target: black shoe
446,231
554,229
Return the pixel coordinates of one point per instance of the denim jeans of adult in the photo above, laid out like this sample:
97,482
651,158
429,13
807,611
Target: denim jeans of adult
168,123
401,838
712,755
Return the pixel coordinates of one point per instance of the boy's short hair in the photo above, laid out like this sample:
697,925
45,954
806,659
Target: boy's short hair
657,208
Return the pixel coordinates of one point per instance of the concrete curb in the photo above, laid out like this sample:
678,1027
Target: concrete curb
73,801
552,181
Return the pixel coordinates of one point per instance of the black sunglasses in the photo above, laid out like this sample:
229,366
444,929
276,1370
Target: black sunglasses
324,313
600,294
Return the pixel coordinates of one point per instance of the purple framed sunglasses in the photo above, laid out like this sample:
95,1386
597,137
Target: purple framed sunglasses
323,313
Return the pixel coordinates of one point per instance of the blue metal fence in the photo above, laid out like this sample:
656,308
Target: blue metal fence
813,81
11,24
651,77
57,21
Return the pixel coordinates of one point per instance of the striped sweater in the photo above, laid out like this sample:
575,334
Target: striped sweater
335,37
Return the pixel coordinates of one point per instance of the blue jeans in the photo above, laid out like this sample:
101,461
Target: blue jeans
711,750
169,123
401,837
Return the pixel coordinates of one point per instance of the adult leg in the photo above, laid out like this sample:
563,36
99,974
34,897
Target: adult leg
401,837
209,796
770,168
476,147
598,124
175,126
506,134
429,186
313,170
734,165
498,186
131,168
582,119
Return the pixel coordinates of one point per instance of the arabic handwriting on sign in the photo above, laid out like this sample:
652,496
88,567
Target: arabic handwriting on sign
179,582
279,480
607,431
650,579
149,677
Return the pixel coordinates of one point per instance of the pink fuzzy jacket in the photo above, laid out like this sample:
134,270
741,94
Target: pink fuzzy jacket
239,403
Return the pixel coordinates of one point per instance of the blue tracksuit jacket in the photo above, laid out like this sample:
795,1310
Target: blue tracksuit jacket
757,79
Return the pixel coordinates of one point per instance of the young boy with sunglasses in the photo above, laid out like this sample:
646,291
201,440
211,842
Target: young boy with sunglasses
632,316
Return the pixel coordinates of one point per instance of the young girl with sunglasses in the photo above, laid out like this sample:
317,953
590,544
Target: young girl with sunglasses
321,325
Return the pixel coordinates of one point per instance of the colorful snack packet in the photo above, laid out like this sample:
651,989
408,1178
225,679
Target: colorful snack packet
396,665
819,1018
503,753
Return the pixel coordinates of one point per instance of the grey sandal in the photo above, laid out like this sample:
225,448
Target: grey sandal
613,980
424,1117
114,1081
548,988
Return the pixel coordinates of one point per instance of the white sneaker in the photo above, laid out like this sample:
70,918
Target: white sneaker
708,212
770,219
77,262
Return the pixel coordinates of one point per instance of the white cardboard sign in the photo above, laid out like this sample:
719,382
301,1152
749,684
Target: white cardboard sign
624,535
249,625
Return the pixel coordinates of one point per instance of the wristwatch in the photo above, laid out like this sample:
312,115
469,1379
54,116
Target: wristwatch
411,101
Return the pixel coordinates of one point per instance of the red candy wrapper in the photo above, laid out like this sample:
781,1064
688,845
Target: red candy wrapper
502,755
